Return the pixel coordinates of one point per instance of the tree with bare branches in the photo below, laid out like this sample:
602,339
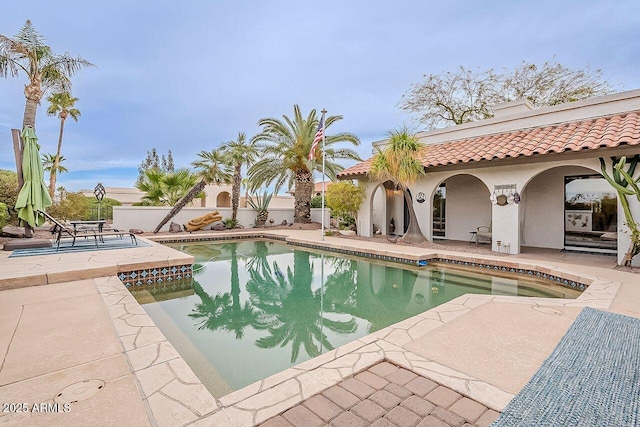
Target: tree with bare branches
466,95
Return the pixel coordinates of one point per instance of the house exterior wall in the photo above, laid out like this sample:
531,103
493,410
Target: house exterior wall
510,223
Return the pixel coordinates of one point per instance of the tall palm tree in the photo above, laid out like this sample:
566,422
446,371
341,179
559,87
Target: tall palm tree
398,162
239,152
46,70
61,103
286,149
53,165
212,167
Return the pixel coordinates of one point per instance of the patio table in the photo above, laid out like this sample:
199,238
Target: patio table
88,225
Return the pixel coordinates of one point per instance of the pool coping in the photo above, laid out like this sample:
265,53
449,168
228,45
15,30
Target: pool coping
175,396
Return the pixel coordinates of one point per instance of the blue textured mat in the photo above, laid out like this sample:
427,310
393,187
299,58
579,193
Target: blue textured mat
82,245
592,378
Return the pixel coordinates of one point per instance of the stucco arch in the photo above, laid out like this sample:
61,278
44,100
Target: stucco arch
386,203
443,176
223,200
467,204
592,165
542,207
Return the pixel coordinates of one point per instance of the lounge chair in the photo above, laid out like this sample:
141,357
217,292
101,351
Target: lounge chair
483,235
59,229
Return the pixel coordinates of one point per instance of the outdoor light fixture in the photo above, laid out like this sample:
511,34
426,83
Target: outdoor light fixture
505,194
99,192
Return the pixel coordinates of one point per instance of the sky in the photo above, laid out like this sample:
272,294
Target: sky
188,76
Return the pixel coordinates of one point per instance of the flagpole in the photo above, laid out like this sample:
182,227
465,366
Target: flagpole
324,124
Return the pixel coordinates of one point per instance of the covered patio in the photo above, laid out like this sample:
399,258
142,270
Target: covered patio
527,177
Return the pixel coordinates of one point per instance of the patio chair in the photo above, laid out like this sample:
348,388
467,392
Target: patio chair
484,234
59,229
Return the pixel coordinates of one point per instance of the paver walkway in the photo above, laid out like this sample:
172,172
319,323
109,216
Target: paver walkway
386,395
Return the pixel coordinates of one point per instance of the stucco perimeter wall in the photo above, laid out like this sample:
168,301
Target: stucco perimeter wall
146,218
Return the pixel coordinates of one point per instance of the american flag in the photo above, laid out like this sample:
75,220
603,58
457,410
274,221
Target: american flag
316,140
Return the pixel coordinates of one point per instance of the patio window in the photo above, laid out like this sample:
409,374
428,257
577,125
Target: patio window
590,213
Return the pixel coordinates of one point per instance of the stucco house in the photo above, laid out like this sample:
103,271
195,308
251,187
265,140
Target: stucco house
528,177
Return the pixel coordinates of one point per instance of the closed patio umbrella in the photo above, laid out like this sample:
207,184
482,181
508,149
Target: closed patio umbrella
33,194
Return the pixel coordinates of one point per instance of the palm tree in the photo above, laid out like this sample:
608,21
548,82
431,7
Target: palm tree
46,70
239,152
286,151
61,190
212,168
53,165
398,162
165,188
61,103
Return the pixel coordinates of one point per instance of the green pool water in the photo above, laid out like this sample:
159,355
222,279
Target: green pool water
255,308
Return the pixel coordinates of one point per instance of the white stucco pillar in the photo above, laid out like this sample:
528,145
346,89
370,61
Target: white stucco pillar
505,228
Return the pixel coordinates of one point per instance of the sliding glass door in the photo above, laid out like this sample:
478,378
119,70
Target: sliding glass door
590,214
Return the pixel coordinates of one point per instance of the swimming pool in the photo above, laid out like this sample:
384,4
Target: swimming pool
255,308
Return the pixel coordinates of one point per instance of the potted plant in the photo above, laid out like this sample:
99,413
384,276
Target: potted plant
260,204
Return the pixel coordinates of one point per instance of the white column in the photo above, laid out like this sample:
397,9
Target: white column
505,228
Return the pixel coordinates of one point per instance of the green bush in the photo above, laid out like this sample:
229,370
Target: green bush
9,193
344,198
230,223
75,206
316,202
4,215
106,208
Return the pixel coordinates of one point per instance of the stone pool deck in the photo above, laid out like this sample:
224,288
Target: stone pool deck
68,319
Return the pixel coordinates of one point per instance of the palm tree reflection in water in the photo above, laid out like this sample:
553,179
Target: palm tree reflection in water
286,305
224,311
290,310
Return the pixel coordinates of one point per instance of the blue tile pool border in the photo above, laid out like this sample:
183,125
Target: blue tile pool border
156,275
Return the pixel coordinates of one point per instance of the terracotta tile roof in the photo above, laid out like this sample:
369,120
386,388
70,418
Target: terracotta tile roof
589,134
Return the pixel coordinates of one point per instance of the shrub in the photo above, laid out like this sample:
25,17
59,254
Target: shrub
316,202
344,198
230,223
106,208
9,193
75,206
4,215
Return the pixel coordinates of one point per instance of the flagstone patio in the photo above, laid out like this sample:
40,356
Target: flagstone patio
66,320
